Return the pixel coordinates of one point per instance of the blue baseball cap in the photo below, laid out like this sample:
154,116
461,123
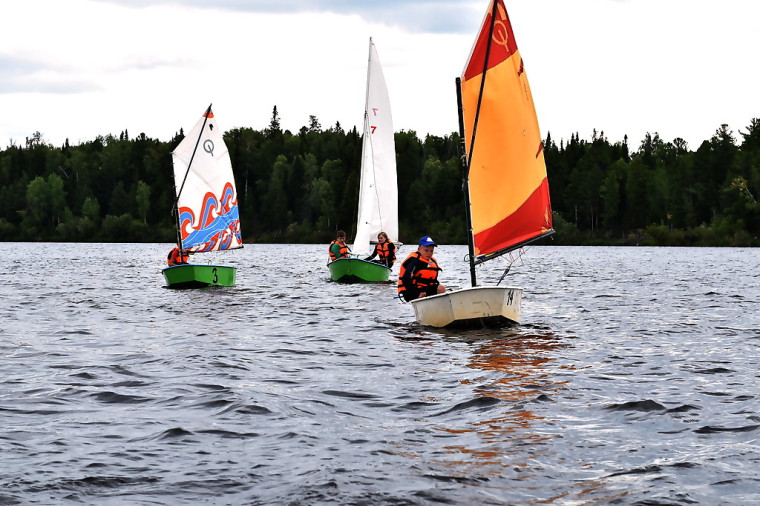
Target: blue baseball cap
427,241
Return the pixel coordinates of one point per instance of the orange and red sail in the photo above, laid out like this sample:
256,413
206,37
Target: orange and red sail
508,188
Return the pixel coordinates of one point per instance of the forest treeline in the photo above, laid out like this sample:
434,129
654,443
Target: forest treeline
302,187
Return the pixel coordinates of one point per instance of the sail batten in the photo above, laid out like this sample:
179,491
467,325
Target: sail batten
207,205
378,193
506,172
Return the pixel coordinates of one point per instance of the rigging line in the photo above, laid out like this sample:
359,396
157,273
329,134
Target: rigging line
520,252
504,275
504,251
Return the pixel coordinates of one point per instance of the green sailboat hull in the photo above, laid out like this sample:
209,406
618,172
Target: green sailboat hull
199,276
356,270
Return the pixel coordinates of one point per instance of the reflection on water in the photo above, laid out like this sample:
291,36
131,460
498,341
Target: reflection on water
511,378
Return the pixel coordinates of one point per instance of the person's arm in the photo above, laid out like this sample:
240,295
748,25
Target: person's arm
410,266
374,253
335,250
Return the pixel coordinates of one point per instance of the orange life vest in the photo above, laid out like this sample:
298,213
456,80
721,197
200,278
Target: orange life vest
176,257
423,276
384,251
343,250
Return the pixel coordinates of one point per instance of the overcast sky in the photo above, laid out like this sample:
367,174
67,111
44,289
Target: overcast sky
77,69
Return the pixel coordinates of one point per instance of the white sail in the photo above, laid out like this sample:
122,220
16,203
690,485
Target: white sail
378,190
205,186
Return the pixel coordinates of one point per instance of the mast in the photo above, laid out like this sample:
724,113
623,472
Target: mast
187,171
176,219
465,162
366,145
366,94
467,158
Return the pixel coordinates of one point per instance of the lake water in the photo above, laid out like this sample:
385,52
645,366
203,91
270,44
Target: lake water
632,380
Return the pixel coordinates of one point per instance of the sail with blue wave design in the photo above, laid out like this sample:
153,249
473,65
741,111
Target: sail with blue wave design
207,206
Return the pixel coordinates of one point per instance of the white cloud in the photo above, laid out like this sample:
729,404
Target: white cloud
416,16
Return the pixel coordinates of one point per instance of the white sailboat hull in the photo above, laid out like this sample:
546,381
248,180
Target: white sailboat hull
478,306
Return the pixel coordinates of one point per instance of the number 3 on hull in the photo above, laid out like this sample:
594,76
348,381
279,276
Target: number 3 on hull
504,175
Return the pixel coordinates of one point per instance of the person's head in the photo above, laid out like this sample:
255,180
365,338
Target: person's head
426,246
340,236
382,237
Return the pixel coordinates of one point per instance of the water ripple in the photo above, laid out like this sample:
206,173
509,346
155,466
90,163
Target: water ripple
632,380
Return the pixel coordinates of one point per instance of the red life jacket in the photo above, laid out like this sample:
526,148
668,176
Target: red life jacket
384,251
343,250
423,276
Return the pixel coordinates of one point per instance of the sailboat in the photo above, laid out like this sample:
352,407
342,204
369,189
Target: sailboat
378,188
505,184
206,207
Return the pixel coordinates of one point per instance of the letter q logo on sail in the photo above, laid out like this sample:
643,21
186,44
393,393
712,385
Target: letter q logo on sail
208,146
